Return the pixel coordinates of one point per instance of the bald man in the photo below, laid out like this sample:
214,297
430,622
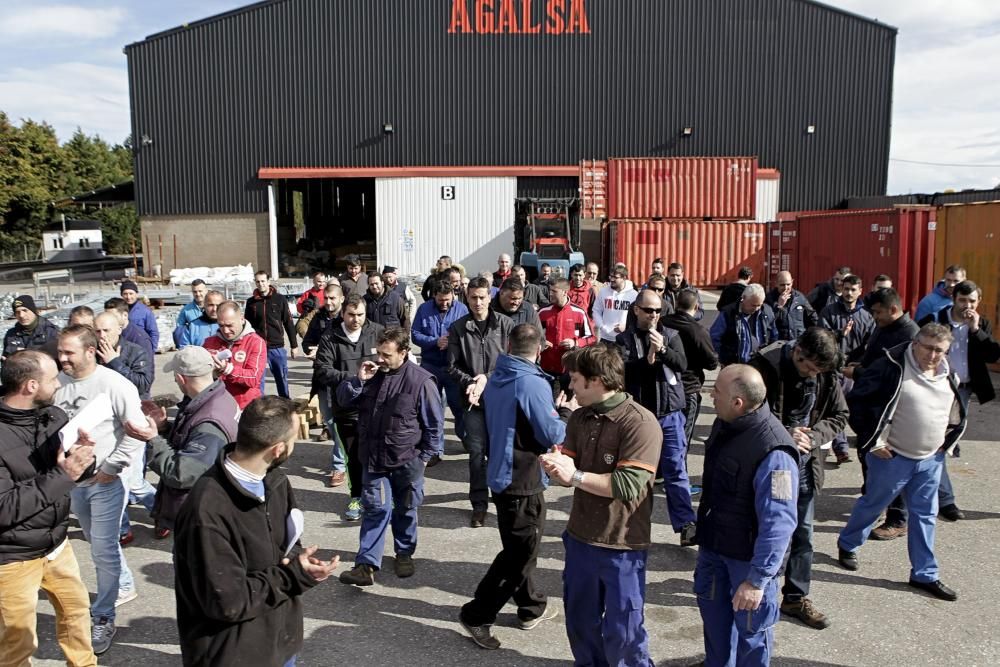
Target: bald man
745,520
792,312
504,270
120,355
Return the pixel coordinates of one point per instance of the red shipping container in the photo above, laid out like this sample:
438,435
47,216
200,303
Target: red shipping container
898,242
682,187
593,189
711,252
782,250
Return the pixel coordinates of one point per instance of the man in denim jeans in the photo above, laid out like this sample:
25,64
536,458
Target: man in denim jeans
98,501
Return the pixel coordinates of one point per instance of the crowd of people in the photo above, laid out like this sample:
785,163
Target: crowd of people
560,380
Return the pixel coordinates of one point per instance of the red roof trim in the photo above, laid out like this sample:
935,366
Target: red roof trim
271,173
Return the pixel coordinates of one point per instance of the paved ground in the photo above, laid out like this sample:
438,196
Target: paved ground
877,619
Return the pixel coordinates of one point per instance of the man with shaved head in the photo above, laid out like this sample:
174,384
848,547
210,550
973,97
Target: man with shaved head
745,520
793,313
238,353
121,356
503,271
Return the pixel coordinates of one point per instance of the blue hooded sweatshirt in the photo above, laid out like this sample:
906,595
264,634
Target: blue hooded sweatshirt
518,391
933,302
429,324
189,313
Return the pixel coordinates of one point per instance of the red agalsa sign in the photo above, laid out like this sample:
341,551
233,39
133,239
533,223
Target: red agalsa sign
515,17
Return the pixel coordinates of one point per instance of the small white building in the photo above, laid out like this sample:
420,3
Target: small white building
72,240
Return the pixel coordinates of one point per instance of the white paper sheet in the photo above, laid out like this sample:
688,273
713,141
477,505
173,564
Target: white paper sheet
294,525
93,413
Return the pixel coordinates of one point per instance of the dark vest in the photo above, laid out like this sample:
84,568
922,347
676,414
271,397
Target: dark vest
384,311
214,406
388,424
727,516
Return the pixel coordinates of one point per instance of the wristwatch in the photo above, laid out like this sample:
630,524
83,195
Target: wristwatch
577,479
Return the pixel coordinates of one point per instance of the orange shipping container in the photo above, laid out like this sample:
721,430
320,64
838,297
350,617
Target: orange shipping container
711,252
969,235
682,187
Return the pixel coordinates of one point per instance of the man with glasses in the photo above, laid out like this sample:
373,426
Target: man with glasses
590,273
743,328
901,409
793,313
940,296
612,305
804,393
654,360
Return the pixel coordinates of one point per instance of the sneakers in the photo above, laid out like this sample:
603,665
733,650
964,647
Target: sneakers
805,611
843,457
337,478
551,611
849,559
353,512
482,635
102,631
951,513
361,575
404,566
889,531
936,588
125,596
478,518
433,461
688,534
161,533
126,539
695,489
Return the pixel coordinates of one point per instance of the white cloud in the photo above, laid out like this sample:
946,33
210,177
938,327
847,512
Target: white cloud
70,95
62,22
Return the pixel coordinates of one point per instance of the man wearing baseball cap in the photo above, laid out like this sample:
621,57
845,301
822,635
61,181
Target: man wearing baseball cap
205,423
139,313
32,332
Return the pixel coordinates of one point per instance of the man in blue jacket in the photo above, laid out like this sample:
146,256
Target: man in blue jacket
940,296
745,521
191,311
203,326
430,332
744,327
139,313
522,423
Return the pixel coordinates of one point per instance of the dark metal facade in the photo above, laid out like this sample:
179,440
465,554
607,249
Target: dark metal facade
310,83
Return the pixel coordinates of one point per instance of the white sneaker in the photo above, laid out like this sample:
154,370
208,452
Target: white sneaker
125,596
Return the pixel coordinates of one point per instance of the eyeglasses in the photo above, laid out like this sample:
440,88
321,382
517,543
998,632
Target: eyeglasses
658,289
932,349
650,311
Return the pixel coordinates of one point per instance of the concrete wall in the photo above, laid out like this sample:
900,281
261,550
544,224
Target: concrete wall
211,240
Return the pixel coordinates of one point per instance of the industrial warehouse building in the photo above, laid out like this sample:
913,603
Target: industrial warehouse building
404,129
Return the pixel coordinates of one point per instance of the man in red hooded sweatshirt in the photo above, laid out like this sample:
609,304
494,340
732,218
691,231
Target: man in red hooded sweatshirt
581,292
238,353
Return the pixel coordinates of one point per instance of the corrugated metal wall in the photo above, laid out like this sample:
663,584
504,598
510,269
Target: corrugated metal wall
311,82
416,224
545,187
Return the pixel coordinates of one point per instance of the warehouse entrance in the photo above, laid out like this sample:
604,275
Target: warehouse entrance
322,220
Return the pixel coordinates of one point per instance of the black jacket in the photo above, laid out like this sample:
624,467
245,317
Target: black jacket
389,310
470,353
901,331
43,337
662,377
795,317
698,350
835,318
523,315
338,359
133,363
271,318
829,414
670,298
822,296
731,293
874,396
983,349
34,491
236,603
318,326
728,343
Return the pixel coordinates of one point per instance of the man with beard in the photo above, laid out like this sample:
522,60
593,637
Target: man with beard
36,478
430,333
191,311
32,332
384,307
677,284
401,427
535,294
351,280
510,301
239,572
394,284
827,293
582,292
205,325
238,354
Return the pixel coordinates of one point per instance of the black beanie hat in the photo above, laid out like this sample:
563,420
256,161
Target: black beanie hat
25,301
128,284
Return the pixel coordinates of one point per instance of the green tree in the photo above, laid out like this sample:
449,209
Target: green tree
119,227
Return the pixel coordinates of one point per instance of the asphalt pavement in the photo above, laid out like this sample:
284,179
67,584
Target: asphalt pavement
876,618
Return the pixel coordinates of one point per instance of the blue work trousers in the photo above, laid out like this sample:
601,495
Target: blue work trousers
337,461
798,571
733,638
277,361
450,394
676,485
477,443
604,591
390,498
918,481
98,508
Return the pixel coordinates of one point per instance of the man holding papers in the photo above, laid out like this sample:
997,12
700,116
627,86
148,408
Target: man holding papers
99,500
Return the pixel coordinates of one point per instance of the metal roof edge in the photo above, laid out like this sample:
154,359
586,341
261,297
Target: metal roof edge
273,173
204,21
850,14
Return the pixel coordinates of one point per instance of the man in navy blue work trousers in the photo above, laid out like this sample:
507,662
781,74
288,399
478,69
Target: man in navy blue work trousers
745,521
400,427
610,455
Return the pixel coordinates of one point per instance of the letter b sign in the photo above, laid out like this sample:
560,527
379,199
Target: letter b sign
448,192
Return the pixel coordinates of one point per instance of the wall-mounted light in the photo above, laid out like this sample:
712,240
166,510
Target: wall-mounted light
810,129
687,131
387,128
146,140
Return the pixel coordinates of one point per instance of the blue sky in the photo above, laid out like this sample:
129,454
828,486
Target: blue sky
62,62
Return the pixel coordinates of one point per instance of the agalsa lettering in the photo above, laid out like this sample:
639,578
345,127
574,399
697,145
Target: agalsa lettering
562,17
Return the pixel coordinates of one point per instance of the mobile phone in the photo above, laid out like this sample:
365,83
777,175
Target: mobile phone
224,355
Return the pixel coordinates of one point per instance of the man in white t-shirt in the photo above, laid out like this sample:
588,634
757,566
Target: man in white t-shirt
98,501
612,305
